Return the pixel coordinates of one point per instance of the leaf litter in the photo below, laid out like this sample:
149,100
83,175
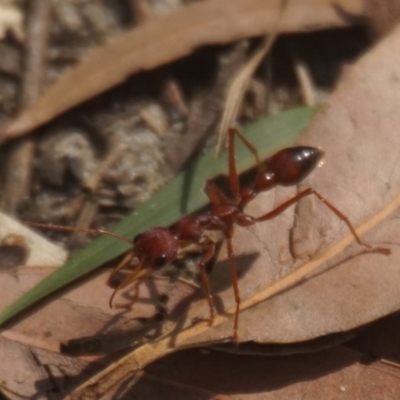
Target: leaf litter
85,311
155,43
277,313
359,177
332,373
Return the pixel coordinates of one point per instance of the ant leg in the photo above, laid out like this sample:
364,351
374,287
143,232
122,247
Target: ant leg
215,196
124,262
339,214
209,244
232,262
137,274
233,175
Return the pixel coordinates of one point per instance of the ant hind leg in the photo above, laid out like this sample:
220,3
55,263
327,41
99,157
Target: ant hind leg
209,244
235,284
339,214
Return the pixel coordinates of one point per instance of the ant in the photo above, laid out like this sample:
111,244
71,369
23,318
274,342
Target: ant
159,246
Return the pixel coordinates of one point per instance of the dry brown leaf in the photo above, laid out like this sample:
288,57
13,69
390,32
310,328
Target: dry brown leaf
25,371
383,15
79,312
162,40
330,374
358,130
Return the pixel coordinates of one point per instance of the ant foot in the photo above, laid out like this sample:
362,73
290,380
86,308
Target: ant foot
382,250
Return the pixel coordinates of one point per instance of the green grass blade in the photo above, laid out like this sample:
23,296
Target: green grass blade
181,196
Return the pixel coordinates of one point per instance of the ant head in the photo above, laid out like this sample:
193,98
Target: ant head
290,166
156,247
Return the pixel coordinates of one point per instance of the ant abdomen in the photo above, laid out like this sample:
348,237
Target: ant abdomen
292,165
288,167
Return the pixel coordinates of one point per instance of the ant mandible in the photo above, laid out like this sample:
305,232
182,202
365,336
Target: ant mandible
159,246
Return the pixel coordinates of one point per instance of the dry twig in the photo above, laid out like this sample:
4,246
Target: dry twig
19,163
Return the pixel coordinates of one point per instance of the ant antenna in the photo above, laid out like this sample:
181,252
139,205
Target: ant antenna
81,230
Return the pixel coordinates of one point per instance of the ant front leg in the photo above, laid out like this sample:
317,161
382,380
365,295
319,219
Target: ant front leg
123,263
339,214
233,175
136,276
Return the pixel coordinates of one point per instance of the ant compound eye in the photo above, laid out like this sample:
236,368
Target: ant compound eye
137,238
160,261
